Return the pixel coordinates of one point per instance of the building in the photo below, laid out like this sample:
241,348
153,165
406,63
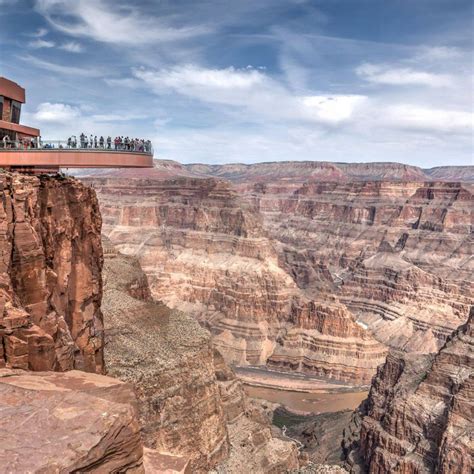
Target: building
23,149
12,96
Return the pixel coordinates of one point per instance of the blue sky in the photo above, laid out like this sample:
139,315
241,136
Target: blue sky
221,81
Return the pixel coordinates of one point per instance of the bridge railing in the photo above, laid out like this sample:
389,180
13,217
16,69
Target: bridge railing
65,145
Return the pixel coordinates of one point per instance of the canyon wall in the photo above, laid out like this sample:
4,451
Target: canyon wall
206,252
398,254
420,412
191,405
55,418
315,267
50,274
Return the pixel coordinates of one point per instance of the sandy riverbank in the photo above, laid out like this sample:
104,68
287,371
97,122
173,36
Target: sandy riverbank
295,382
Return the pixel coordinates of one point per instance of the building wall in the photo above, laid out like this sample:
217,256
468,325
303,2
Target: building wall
7,109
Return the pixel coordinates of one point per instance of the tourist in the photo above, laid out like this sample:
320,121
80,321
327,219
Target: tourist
91,141
101,141
109,143
81,139
116,143
95,141
86,142
5,140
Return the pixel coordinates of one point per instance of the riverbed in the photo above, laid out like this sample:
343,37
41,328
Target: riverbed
300,393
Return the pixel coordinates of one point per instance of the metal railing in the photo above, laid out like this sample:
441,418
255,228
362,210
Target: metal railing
65,145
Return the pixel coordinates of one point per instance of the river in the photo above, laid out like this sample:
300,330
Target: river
300,393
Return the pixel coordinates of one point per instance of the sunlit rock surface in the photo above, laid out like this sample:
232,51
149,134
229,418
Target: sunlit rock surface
50,274
67,422
419,416
205,252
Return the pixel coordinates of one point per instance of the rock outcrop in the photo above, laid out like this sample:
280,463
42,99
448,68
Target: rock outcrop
205,252
50,275
67,422
419,416
191,404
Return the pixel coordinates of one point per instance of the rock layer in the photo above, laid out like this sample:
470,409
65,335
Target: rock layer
206,252
50,275
420,411
371,249
190,402
88,423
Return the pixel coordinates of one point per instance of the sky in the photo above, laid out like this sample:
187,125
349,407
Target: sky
222,81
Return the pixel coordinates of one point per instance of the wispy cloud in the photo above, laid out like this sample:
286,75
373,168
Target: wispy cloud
60,68
39,33
417,118
386,74
111,22
41,43
48,112
72,47
252,90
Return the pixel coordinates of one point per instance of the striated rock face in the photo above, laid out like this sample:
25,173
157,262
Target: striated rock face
50,275
205,252
307,266
420,411
189,400
397,253
87,422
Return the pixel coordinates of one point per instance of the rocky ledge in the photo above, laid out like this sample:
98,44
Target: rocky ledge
191,405
67,422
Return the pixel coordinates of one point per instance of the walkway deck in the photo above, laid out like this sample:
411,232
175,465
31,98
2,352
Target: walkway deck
73,158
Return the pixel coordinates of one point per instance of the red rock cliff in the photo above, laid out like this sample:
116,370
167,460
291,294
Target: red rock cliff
420,411
50,275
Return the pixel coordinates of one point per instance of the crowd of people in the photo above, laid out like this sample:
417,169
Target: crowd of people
119,143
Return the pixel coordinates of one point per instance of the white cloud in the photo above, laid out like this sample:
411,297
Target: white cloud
39,33
332,109
129,82
41,43
61,69
253,91
385,74
110,22
408,116
436,53
72,47
48,112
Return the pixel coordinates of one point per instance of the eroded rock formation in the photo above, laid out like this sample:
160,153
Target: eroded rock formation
419,417
50,275
205,252
191,404
397,254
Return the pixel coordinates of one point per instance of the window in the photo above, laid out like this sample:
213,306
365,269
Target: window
16,111
1,107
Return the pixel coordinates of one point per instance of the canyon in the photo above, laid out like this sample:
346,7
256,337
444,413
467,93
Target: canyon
173,404
302,266
126,300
